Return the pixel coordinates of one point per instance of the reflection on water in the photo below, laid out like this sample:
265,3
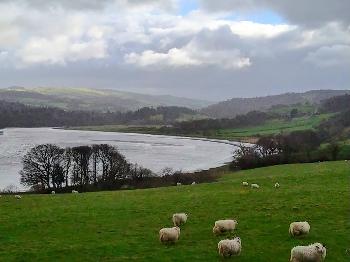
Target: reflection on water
153,152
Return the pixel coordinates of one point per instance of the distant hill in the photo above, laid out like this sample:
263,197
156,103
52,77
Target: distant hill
237,106
93,99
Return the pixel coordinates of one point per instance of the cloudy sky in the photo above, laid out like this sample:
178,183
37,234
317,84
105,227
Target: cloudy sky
203,49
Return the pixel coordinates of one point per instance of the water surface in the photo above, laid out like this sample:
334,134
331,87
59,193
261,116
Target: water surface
151,151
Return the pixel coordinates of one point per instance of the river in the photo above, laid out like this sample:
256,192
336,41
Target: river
151,151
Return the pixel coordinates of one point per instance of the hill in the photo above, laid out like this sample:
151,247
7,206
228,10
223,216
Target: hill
93,99
237,106
123,225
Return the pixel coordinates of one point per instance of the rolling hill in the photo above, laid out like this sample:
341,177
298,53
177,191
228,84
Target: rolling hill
93,99
237,106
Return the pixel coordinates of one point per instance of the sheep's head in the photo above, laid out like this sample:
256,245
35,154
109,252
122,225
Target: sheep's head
238,239
216,230
320,249
235,221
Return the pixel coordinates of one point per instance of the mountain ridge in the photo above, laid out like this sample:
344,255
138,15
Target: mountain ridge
94,99
236,106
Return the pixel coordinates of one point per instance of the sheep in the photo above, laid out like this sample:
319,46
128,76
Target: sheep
255,186
277,185
179,218
75,192
222,226
299,228
18,197
230,247
245,183
178,184
193,183
53,192
312,253
170,235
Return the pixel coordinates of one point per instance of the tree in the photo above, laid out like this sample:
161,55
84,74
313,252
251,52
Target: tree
41,166
293,113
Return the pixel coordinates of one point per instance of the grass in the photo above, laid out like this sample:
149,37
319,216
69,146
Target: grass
236,134
274,127
124,225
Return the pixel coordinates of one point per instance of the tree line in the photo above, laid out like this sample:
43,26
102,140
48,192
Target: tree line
49,167
249,119
298,146
14,114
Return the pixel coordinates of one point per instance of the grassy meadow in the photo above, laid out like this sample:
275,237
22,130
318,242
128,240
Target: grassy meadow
124,225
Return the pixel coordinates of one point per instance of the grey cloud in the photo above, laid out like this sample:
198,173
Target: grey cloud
87,4
330,56
310,12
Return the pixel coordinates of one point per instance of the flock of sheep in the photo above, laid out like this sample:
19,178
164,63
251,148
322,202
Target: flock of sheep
232,247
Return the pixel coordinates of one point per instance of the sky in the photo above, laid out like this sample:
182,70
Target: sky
204,49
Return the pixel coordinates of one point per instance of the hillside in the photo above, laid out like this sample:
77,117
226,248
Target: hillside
93,99
124,225
237,106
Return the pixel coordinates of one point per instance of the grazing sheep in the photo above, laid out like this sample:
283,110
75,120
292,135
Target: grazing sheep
245,183
53,192
222,226
169,234
18,197
299,228
193,183
75,192
230,247
178,184
179,219
255,186
312,253
277,185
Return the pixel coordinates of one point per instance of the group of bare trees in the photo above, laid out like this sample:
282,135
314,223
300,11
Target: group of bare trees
49,167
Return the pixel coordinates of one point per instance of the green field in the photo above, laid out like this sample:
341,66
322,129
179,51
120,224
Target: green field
124,225
271,127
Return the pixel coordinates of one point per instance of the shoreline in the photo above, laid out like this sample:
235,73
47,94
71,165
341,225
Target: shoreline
247,141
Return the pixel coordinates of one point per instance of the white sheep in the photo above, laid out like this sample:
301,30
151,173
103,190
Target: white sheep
179,219
75,192
255,186
230,247
277,185
18,197
53,192
178,184
169,234
245,183
312,253
193,183
222,226
299,228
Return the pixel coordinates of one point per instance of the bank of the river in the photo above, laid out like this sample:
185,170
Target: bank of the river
156,130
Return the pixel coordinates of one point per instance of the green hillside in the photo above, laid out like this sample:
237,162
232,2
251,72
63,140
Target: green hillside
124,225
93,99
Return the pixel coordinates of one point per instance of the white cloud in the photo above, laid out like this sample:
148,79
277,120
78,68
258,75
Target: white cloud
190,55
60,50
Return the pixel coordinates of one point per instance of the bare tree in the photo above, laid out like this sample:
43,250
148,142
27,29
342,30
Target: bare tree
40,166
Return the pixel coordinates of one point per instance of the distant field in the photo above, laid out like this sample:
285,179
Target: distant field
271,127
124,225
